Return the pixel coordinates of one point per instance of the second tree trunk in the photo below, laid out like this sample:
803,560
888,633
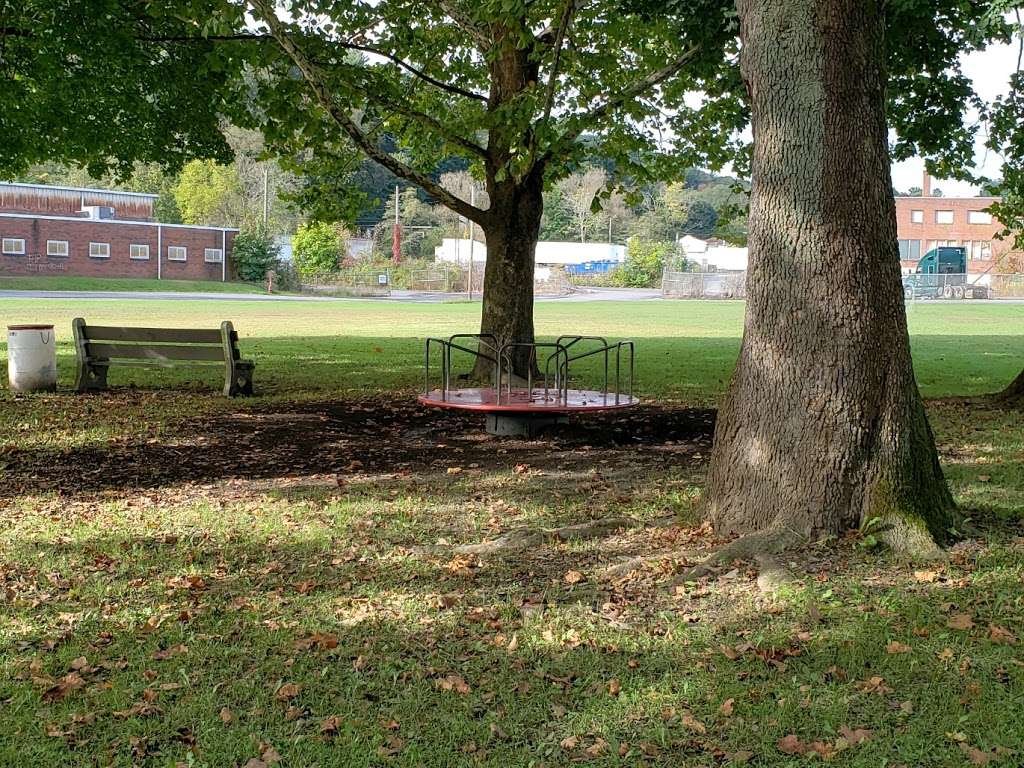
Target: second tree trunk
512,233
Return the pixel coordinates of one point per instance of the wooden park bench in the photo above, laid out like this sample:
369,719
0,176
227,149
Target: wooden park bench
98,347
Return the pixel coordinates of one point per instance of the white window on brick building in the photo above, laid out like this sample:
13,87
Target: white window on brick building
177,253
13,246
137,252
99,250
213,255
979,250
917,217
57,248
943,217
979,217
910,250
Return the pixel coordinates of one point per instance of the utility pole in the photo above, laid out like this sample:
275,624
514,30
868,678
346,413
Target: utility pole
396,235
472,234
266,197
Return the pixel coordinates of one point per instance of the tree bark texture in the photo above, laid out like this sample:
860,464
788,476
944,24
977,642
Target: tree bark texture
1014,394
823,428
512,233
512,223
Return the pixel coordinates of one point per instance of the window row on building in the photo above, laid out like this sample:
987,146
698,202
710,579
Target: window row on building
946,217
15,246
977,250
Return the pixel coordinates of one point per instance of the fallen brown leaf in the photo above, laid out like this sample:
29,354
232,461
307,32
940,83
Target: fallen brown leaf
70,682
976,756
855,736
791,744
1001,635
453,683
961,621
573,577
287,691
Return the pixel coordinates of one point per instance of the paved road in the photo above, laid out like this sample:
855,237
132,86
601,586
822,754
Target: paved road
588,294
584,294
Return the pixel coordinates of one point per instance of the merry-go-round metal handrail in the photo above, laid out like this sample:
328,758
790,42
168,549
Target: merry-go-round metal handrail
501,359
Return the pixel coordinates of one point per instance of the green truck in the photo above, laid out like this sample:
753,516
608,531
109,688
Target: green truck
942,273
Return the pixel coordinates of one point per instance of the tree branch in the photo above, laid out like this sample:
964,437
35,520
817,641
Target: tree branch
631,91
563,25
399,107
346,45
265,11
465,23
417,72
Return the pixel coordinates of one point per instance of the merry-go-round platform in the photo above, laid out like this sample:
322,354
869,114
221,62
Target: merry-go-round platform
541,394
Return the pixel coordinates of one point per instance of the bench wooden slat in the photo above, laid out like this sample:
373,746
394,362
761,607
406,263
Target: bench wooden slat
154,353
99,347
159,335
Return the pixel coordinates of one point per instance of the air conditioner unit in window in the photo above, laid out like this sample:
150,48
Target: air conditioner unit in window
98,212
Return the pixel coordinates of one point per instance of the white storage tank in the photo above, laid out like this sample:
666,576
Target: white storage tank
31,358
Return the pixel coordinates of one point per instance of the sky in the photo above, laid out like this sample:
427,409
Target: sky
990,71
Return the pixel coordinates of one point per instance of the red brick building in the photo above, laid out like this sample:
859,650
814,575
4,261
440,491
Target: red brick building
102,233
927,222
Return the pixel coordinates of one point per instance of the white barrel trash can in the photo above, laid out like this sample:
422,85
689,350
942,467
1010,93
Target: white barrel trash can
31,358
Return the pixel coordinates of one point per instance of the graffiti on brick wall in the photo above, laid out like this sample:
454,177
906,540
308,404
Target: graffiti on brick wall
42,265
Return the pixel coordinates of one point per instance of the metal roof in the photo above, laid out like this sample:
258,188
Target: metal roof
44,188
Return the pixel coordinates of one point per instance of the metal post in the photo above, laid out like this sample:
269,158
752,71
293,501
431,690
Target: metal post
472,233
396,234
266,196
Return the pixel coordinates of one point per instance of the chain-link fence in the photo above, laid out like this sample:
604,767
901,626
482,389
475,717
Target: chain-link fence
348,283
732,285
445,278
704,285
1007,286
551,281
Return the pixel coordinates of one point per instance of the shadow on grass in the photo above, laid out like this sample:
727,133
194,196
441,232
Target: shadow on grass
423,671
386,435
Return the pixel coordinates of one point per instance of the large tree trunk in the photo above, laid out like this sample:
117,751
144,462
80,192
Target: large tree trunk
512,231
823,427
512,224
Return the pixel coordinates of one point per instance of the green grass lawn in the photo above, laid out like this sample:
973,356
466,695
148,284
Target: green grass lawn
686,350
188,580
123,284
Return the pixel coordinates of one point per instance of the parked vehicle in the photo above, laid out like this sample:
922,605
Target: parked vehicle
942,273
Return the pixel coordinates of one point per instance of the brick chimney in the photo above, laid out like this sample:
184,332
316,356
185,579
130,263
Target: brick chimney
926,185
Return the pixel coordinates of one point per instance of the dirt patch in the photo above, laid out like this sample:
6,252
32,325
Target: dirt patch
370,436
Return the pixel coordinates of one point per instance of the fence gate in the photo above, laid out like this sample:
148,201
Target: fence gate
704,285
348,282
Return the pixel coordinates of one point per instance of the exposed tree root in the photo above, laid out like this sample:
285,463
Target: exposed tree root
750,547
524,538
1013,395
910,542
772,574
617,571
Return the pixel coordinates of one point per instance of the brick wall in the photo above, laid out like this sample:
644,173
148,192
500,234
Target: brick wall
959,232
120,235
